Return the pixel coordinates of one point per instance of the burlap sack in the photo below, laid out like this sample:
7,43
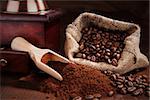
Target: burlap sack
131,56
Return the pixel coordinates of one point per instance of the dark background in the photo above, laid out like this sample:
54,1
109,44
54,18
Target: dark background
130,11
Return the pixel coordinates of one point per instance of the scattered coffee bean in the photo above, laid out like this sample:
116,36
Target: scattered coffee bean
131,89
111,93
129,84
123,90
118,83
98,96
137,92
113,77
145,84
144,76
147,93
89,97
77,98
113,84
148,89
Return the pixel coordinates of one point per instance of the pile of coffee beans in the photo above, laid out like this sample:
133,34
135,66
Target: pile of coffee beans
101,45
128,84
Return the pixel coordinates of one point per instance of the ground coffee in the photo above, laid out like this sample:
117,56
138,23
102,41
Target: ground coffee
79,82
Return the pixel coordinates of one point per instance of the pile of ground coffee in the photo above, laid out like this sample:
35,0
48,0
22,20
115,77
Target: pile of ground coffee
79,82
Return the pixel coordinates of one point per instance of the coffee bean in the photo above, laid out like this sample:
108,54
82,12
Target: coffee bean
145,84
143,80
113,49
102,47
98,54
115,54
120,80
105,71
147,93
120,86
92,46
96,99
114,62
113,77
84,55
135,84
118,56
138,80
81,47
106,57
89,97
98,49
118,51
109,72
111,93
117,75
97,46
137,92
131,89
118,83
86,29
88,57
107,50
129,83
144,76
108,53
93,58
130,78
109,43
109,61
141,86
97,95
123,90
113,84
77,98
147,88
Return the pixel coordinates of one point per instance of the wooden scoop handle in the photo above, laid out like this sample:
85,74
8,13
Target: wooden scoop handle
20,44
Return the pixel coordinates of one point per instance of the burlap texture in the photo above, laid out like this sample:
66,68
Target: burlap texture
131,56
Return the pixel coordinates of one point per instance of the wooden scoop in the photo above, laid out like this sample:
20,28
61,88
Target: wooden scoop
36,54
